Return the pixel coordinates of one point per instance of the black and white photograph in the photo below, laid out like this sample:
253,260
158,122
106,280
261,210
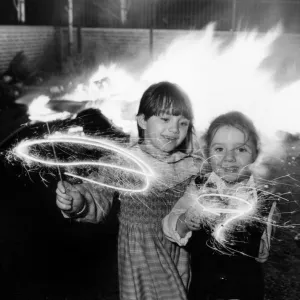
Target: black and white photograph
150,149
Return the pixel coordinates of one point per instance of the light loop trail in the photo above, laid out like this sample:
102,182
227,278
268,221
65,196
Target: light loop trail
234,212
22,151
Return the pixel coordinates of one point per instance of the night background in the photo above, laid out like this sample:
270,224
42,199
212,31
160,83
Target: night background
43,255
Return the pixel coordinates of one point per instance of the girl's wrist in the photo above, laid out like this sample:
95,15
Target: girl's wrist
82,210
78,214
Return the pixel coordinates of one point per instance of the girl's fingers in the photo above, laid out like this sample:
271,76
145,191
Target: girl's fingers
64,186
63,204
64,200
63,195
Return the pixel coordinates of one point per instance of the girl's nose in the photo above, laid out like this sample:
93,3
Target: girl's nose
174,128
229,156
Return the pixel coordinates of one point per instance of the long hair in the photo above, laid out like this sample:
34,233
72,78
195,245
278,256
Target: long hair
234,119
167,98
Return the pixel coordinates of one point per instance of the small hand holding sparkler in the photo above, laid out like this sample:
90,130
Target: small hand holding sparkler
192,218
84,201
196,216
69,199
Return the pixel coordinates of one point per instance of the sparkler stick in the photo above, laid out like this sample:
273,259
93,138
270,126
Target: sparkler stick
55,157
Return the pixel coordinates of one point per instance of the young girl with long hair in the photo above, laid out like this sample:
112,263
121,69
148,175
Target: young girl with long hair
150,266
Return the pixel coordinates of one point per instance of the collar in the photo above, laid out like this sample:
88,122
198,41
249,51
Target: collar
244,189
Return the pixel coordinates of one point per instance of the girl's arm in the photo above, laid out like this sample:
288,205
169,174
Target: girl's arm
175,225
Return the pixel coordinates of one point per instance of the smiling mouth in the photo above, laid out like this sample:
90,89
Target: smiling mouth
233,170
168,138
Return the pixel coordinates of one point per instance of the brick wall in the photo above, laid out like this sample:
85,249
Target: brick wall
37,42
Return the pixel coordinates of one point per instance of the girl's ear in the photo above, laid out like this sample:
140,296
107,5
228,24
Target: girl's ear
141,121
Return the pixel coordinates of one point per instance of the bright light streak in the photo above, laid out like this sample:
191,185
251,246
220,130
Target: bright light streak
233,214
22,151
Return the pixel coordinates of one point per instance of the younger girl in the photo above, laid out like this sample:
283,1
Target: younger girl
232,146
150,266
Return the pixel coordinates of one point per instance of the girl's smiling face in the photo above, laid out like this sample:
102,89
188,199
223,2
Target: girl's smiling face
164,132
231,152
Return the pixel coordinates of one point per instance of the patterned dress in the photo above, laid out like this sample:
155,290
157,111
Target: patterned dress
150,266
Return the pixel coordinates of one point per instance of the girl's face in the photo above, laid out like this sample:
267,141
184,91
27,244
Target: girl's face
165,132
231,153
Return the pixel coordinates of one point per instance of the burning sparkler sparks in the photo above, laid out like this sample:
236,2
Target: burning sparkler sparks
22,150
232,213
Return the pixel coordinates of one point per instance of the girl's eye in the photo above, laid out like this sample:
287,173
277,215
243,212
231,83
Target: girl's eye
184,124
242,149
165,119
219,149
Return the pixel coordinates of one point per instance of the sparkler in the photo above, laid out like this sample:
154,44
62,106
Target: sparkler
233,214
55,156
22,151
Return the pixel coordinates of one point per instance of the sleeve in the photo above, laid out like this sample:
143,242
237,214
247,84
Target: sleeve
169,225
265,242
98,201
169,222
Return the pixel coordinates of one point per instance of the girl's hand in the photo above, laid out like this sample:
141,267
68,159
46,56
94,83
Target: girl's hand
68,198
192,219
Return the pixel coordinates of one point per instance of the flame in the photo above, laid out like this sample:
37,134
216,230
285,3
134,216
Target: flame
220,77
38,110
219,73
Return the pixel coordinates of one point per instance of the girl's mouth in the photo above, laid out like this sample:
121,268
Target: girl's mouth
169,138
231,169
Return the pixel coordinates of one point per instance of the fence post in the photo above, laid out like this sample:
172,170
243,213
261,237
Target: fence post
233,16
79,40
70,27
152,15
61,47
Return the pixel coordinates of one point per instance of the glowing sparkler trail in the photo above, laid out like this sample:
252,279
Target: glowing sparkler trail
238,213
21,150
